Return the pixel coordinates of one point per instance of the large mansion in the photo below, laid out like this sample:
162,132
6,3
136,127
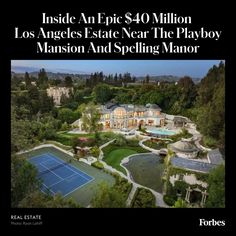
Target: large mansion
57,92
116,116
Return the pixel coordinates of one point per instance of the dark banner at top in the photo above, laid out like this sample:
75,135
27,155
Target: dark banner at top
127,34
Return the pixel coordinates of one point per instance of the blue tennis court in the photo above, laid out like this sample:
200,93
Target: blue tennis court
59,176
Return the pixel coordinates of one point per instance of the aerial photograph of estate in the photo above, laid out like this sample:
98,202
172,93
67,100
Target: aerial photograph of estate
118,133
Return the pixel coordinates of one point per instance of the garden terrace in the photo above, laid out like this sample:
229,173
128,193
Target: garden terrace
156,143
67,139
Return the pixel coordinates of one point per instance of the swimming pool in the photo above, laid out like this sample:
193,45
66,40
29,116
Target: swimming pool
160,131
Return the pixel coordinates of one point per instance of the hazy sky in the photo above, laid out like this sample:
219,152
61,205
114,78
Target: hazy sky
193,68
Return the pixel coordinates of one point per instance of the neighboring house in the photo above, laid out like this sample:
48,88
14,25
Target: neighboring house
57,92
116,116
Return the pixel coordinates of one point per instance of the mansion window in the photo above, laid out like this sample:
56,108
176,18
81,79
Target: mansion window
120,113
107,116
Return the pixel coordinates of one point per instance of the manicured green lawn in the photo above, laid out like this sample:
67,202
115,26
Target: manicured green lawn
114,158
114,154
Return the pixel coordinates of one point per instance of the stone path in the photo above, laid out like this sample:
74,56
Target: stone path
101,155
131,194
197,137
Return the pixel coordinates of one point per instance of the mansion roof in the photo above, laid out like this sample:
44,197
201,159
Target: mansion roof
129,107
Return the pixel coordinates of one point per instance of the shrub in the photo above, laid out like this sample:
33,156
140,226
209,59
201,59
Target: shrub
143,199
169,200
133,142
64,126
120,140
98,165
122,185
180,203
107,136
180,187
95,151
87,142
209,142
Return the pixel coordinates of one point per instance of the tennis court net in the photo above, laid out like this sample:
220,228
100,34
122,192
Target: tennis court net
53,168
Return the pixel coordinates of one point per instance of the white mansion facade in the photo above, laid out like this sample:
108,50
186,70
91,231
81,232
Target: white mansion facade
116,116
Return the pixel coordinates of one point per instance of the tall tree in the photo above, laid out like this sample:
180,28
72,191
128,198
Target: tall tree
102,93
20,133
108,197
147,79
27,80
211,105
33,93
66,115
23,179
45,102
90,118
216,188
68,81
39,200
115,78
42,79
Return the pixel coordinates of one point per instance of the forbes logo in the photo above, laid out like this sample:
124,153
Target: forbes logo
213,222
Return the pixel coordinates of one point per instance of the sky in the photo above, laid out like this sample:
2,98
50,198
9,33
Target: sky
192,68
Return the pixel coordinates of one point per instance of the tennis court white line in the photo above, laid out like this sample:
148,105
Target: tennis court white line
51,171
78,187
74,171
36,156
40,155
46,154
52,157
88,181
48,189
49,158
65,179
62,180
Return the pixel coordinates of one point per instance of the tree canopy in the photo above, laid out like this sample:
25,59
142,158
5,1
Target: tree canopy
23,179
103,93
216,188
90,118
211,105
108,197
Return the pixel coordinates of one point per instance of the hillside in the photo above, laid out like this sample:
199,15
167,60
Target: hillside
75,76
